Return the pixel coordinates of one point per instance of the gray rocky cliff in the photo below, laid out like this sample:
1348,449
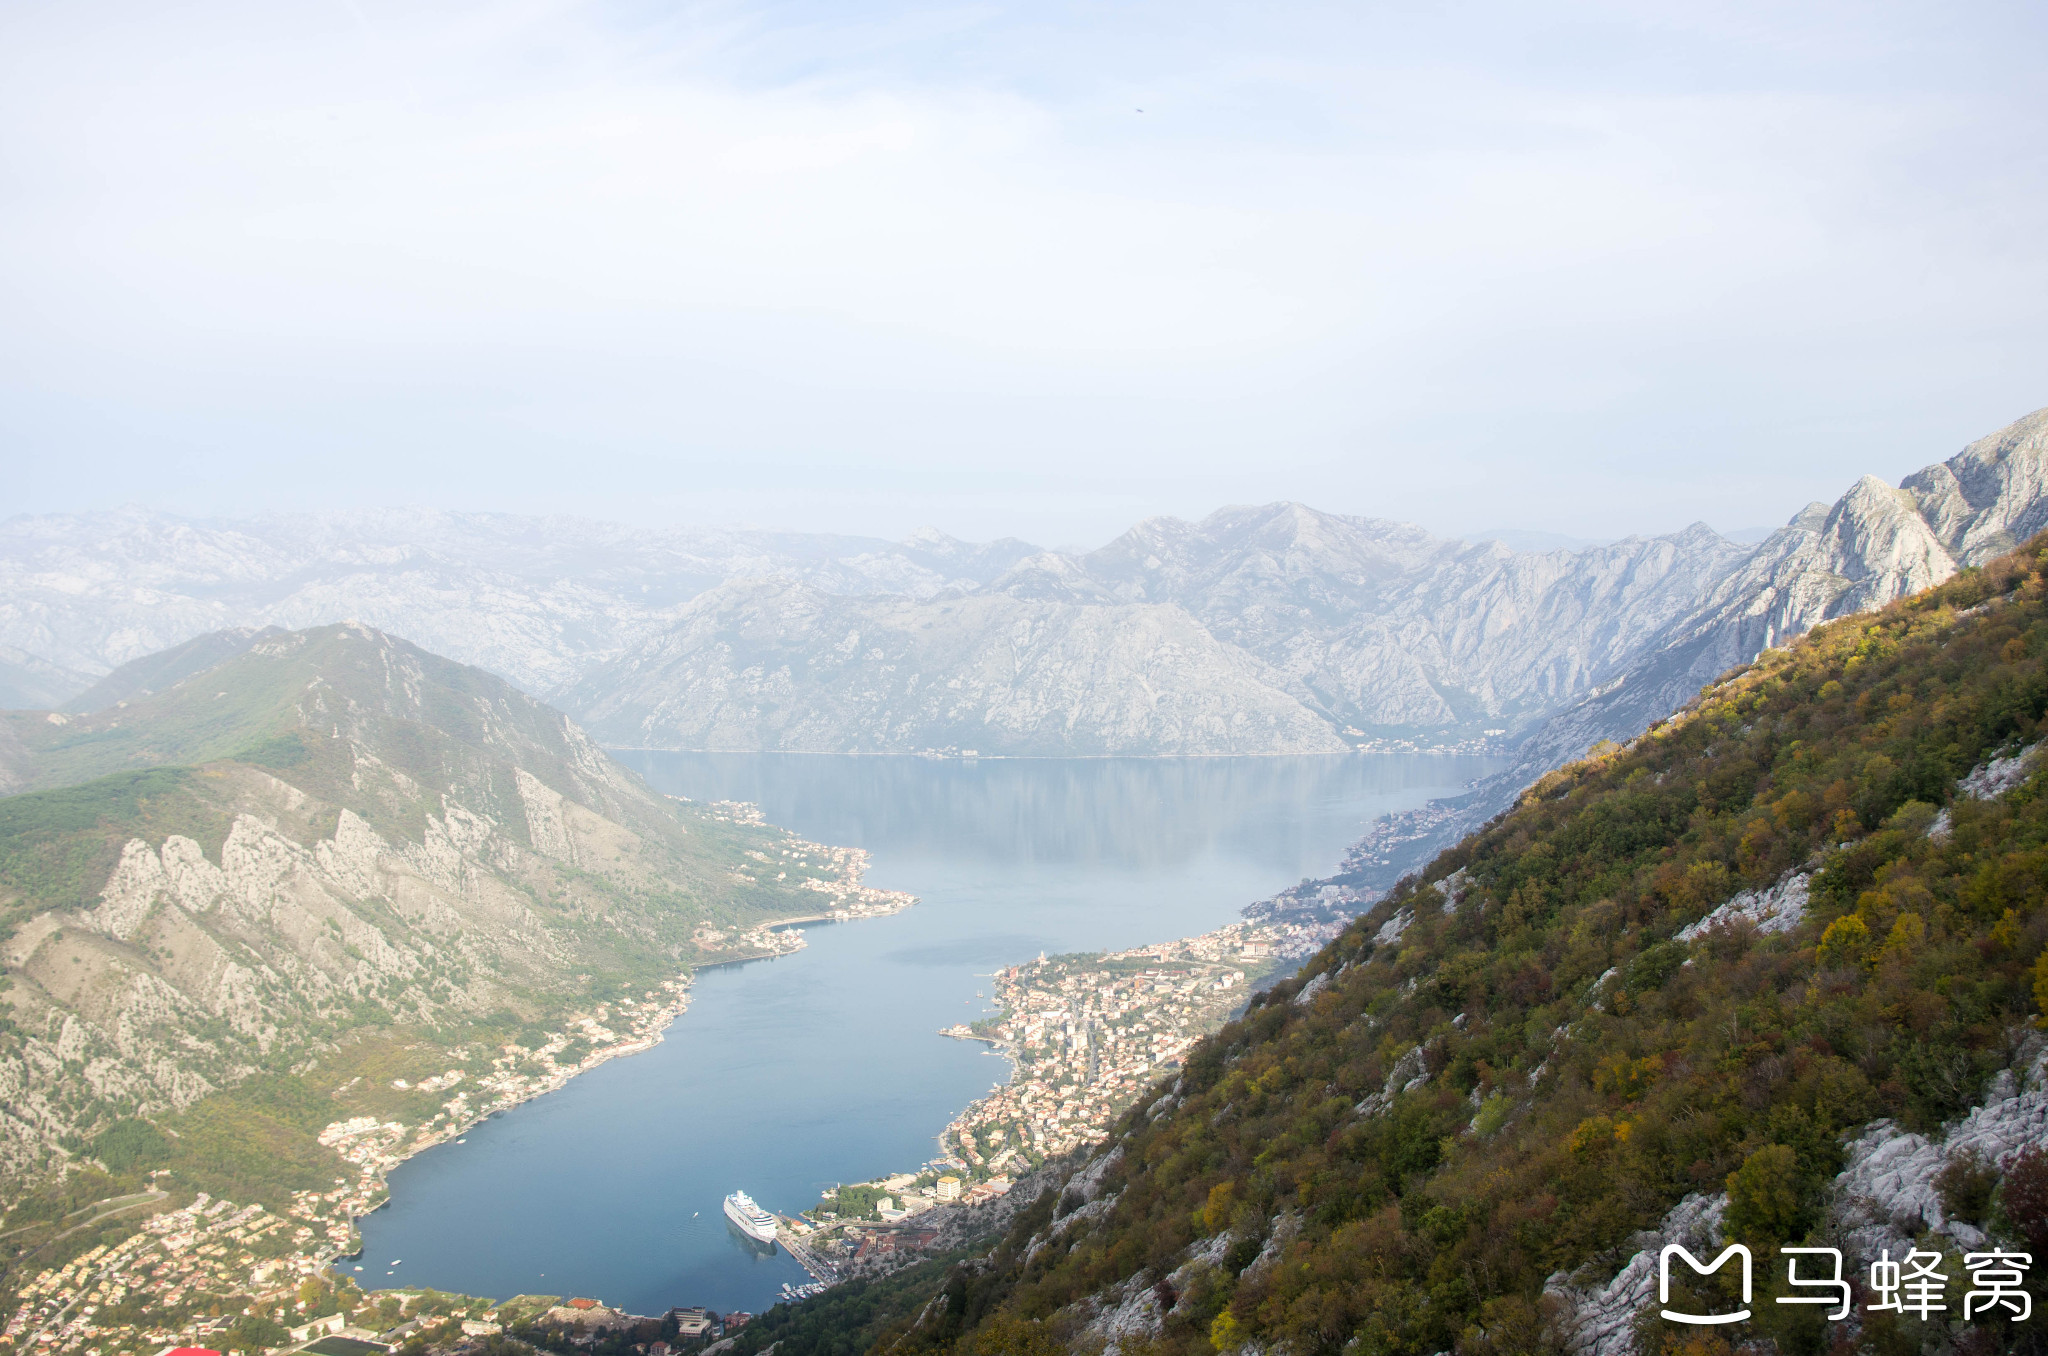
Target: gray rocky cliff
1873,546
1380,625
341,832
777,664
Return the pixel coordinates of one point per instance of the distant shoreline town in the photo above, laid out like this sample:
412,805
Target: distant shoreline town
1086,1035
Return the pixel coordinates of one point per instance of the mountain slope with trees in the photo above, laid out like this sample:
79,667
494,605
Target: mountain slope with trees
1587,1020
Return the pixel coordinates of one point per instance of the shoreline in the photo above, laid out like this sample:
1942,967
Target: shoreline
1078,1058
651,1028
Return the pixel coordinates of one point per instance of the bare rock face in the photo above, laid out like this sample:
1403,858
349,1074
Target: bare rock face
779,665
1378,624
1276,629
1992,495
318,826
188,970
1598,1318
1887,1195
1884,1199
1871,547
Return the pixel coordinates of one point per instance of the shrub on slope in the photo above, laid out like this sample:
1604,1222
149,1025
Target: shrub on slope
1514,1062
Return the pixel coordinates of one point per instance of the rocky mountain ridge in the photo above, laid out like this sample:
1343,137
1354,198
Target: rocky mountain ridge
780,665
1873,546
1373,629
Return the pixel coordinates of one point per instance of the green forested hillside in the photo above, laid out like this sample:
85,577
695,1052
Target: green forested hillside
1396,1151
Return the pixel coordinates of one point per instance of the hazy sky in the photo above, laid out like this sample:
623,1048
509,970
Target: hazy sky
1594,268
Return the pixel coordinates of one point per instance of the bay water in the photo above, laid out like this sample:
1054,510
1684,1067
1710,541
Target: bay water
790,1075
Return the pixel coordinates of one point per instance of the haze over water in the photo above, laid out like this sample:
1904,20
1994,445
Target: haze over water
787,1076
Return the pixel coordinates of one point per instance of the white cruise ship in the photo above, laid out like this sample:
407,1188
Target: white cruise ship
753,1221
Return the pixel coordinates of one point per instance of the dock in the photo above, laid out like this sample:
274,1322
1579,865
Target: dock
821,1270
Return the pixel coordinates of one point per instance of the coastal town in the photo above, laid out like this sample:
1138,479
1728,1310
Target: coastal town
189,1273
1086,1033
165,1266
1086,1036
1089,1033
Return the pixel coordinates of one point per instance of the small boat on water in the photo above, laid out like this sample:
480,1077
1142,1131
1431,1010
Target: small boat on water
751,1219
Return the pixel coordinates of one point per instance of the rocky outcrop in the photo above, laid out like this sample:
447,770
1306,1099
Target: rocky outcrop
1885,1199
1777,908
1992,495
1598,1318
2000,775
1887,1196
187,972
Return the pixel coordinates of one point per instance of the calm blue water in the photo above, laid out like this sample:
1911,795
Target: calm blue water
787,1076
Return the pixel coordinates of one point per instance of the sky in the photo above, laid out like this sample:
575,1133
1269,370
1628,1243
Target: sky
1014,269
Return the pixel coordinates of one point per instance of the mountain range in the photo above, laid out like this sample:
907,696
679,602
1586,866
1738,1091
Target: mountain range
1275,629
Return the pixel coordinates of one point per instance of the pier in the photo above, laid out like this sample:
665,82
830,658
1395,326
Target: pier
821,1270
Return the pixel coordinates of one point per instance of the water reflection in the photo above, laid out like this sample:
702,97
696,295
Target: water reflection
1130,813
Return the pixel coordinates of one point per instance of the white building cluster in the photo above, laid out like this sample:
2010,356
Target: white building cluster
1088,1034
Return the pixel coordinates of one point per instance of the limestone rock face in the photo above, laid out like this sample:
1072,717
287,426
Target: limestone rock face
320,826
780,665
187,971
1872,546
1379,624
1884,1199
1275,629
1886,1196
1992,495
